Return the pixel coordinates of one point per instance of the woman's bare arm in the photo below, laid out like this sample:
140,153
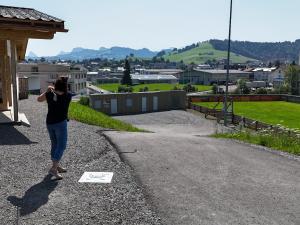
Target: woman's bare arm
42,97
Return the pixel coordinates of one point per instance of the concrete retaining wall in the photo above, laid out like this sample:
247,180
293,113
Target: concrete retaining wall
134,103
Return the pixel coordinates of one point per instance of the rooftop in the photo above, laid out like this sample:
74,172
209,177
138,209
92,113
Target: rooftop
27,18
25,14
222,71
153,77
271,69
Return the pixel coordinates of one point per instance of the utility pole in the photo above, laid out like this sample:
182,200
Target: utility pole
227,74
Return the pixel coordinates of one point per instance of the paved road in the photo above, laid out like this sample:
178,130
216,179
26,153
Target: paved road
194,179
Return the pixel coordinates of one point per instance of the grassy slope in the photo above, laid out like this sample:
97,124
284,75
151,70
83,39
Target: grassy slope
152,87
279,142
204,52
284,113
87,115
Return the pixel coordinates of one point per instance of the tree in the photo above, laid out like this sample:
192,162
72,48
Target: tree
270,64
242,88
292,78
126,74
277,63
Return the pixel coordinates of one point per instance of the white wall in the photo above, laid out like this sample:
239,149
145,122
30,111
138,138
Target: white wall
34,83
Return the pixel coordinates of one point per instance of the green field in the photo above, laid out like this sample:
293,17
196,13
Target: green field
85,114
152,87
276,112
204,52
276,141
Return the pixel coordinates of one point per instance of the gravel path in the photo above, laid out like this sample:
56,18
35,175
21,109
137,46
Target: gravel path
25,161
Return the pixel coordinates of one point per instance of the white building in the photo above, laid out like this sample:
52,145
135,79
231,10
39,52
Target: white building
270,75
153,78
41,75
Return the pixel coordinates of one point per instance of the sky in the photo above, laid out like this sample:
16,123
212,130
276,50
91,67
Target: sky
160,24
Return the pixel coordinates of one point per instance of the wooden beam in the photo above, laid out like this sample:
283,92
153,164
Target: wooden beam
30,27
21,35
21,49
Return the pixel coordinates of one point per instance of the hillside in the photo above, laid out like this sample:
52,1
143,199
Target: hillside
202,53
265,51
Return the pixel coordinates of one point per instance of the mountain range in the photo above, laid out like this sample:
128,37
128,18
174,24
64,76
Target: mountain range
108,53
242,51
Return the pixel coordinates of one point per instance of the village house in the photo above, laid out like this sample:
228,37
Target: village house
41,75
273,76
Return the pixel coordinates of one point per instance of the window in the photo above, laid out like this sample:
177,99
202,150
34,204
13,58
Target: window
34,69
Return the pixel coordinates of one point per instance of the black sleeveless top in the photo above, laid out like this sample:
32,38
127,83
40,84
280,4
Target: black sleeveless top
58,106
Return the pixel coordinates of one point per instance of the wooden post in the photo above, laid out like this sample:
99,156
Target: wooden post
13,65
5,75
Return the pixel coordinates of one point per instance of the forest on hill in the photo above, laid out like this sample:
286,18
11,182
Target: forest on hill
265,51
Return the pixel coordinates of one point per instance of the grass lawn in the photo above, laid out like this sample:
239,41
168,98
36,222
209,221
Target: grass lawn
275,141
90,116
152,87
273,112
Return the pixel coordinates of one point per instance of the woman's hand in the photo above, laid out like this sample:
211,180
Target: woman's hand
50,88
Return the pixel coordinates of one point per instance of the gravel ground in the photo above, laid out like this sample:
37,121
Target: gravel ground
24,164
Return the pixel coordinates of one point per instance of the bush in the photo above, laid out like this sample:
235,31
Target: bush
175,88
242,88
215,89
144,89
125,89
84,100
261,91
281,90
189,88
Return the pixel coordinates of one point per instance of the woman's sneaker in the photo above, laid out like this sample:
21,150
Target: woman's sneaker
55,174
61,169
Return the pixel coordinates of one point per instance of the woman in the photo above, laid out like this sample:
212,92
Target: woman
58,100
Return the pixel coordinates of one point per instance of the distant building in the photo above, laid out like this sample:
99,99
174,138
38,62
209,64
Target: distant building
208,77
174,72
104,77
41,75
273,75
204,67
153,78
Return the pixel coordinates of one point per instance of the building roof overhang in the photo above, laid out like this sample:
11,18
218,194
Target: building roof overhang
20,24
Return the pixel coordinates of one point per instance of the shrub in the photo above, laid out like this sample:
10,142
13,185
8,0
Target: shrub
261,91
144,89
124,89
189,88
84,100
215,89
175,88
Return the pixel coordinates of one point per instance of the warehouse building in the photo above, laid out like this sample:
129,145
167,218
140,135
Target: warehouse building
208,77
